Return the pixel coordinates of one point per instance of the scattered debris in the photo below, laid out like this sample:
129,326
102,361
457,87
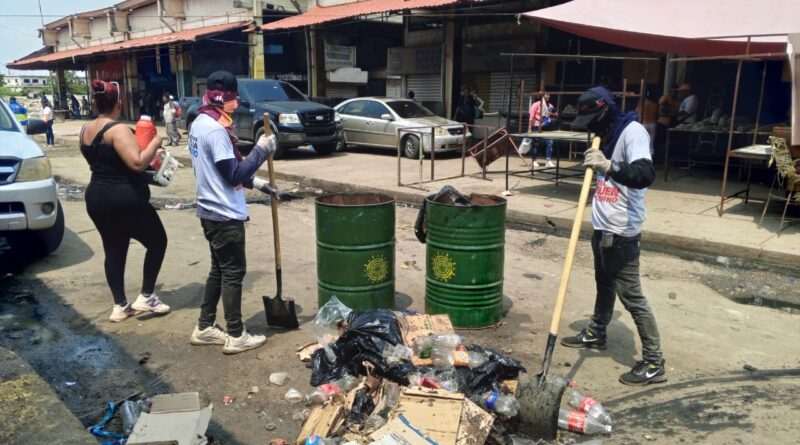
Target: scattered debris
750,368
253,390
145,357
172,418
673,295
279,378
279,441
180,206
507,193
70,383
227,400
305,351
548,204
723,260
408,264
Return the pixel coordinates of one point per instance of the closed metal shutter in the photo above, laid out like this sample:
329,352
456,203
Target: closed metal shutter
341,91
394,88
427,90
498,96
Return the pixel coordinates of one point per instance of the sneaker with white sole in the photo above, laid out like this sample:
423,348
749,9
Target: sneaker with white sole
247,341
120,313
150,304
211,335
535,164
550,164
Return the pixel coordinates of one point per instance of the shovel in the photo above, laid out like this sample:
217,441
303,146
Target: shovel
280,313
540,396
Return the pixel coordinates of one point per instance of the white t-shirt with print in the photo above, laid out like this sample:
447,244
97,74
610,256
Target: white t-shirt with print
615,207
208,144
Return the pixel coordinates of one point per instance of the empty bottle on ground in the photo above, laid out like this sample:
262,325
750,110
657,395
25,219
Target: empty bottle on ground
588,405
504,405
578,422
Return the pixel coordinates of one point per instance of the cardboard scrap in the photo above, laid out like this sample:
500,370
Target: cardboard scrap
437,413
323,421
423,325
175,419
475,426
306,351
401,431
508,386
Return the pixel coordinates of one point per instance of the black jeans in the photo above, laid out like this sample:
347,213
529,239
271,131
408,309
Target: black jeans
122,212
49,133
616,272
228,266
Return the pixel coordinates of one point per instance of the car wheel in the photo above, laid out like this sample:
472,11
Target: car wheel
279,151
325,149
410,144
48,240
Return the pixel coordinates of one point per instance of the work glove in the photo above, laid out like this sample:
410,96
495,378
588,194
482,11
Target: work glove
263,186
595,159
268,144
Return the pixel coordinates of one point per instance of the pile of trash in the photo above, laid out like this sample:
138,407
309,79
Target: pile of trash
393,378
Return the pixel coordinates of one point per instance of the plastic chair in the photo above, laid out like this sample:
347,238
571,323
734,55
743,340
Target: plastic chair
786,178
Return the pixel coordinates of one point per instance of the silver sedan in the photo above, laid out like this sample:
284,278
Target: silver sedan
376,122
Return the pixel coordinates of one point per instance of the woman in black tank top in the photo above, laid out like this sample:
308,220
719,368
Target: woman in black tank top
118,201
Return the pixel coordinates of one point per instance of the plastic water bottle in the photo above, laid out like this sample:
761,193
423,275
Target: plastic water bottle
504,405
588,405
578,422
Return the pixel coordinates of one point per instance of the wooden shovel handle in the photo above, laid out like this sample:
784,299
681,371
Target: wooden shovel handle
573,244
273,202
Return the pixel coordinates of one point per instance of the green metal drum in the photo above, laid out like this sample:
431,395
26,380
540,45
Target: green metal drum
464,264
355,249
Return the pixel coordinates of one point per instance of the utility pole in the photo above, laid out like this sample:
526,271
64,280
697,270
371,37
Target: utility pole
49,73
256,40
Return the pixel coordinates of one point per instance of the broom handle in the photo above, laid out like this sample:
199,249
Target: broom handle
573,244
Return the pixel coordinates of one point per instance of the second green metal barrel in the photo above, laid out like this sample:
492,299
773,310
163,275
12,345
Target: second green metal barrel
355,249
464,270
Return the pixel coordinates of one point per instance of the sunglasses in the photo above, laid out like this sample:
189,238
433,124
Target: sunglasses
104,90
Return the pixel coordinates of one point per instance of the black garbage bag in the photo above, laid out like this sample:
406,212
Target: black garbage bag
367,334
362,408
487,377
447,195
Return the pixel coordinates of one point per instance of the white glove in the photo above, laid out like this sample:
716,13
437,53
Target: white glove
595,159
263,186
268,144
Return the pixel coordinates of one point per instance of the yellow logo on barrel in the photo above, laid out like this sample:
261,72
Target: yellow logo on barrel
444,268
376,269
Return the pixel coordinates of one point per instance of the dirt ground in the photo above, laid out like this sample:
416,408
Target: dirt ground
55,316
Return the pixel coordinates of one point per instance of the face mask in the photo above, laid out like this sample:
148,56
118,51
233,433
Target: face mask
230,106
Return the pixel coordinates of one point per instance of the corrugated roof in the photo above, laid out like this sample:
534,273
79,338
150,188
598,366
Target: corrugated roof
38,61
320,14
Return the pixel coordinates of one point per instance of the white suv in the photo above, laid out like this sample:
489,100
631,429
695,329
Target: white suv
31,218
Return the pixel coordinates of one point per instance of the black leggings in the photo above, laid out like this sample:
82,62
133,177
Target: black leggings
122,212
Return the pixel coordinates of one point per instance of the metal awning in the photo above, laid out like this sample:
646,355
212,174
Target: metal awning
37,60
319,14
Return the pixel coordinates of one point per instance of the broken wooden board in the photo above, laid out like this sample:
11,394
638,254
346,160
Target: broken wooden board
437,413
476,424
306,351
322,421
423,325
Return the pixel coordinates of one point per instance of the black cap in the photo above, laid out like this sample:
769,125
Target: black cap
222,81
591,103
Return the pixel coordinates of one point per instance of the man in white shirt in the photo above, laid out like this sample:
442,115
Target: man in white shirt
624,171
173,137
687,112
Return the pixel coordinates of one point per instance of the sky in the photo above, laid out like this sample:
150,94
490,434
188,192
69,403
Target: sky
20,21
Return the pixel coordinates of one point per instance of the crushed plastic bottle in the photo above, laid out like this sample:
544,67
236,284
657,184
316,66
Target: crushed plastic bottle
396,353
318,396
443,357
279,378
451,341
347,383
504,405
294,396
130,411
315,440
578,422
476,359
588,405
374,422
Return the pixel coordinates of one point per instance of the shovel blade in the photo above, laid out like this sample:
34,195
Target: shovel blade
280,313
539,400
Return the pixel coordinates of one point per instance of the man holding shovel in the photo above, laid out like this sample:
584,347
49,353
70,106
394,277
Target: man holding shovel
624,171
220,173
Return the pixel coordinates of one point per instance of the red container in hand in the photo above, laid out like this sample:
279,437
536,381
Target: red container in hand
145,133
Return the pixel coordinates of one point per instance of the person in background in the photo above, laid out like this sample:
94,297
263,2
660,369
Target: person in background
85,106
75,106
648,115
411,95
176,106
20,112
118,201
667,109
624,171
169,121
687,111
47,117
539,116
467,106
220,175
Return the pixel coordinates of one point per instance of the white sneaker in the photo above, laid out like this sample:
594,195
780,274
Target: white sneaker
535,164
120,313
150,304
550,164
211,335
234,345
